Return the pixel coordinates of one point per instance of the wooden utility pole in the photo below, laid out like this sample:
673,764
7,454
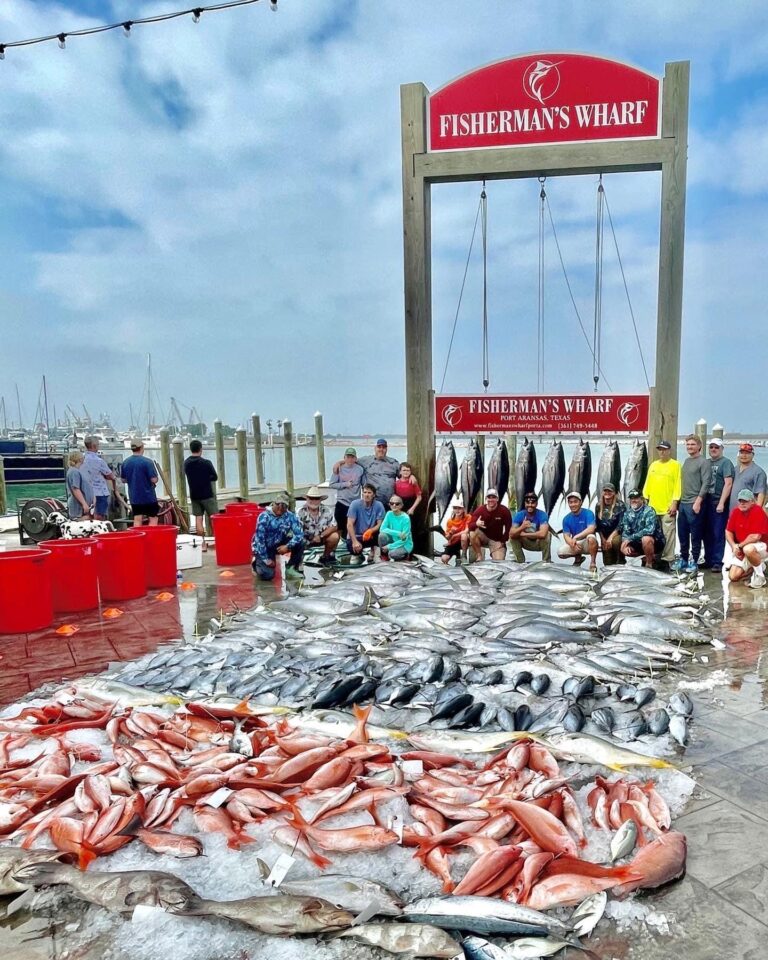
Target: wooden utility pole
178,464
242,462
165,458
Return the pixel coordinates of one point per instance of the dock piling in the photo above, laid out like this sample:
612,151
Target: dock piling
288,450
242,461
3,495
165,459
178,470
221,469
321,477
718,430
258,456
701,432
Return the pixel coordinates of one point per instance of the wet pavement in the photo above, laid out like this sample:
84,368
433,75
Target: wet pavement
719,910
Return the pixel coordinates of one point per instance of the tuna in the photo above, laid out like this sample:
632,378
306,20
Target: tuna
471,475
609,468
553,476
637,468
446,477
498,469
526,472
580,470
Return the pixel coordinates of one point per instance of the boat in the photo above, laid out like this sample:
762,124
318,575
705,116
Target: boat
24,464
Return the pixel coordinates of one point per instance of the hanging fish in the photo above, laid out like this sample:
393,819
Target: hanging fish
637,468
526,472
580,470
471,475
553,476
446,476
609,468
498,469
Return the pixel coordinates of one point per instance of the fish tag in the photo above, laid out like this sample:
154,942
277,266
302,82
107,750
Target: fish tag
218,797
279,870
704,658
412,769
396,826
144,911
368,911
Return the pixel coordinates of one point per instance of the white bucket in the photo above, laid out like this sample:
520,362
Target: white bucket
189,551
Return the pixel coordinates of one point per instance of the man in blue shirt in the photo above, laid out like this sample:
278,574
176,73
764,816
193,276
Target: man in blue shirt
579,533
530,531
278,531
363,521
140,473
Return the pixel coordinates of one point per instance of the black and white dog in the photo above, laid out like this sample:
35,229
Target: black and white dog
78,529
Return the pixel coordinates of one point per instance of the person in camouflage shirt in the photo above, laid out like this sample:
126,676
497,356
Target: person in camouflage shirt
278,531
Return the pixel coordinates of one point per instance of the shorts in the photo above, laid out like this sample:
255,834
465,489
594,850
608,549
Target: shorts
373,542
145,509
567,551
202,508
102,505
485,541
744,564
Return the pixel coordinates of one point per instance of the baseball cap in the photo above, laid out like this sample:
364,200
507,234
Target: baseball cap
490,492
663,445
633,493
716,442
281,498
574,493
746,448
746,495
350,452
609,486
137,443
381,442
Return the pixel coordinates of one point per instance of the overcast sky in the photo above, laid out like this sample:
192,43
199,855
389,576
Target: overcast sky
227,195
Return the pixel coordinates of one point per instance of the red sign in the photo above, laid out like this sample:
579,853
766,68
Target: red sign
535,413
544,98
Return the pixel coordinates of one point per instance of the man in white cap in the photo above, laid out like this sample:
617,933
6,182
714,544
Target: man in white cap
716,505
490,526
319,526
747,536
579,532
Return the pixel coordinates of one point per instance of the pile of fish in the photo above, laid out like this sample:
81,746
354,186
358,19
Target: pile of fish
539,647
323,796
467,478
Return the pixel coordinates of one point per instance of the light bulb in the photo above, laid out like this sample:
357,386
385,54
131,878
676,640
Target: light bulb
273,6
196,14
63,41
127,28
2,51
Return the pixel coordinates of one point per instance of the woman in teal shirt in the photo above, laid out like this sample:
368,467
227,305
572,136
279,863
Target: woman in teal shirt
395,537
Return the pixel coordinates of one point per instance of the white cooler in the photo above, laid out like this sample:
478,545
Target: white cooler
189,551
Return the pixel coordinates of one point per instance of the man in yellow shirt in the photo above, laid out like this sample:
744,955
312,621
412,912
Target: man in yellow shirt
662,490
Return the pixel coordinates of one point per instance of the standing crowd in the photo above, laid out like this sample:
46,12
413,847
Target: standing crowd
703,503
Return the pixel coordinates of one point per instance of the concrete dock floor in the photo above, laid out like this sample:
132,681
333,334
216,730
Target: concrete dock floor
719,910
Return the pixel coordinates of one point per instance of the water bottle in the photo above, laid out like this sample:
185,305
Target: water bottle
179,577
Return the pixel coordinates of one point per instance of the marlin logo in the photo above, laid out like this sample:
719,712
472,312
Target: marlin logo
541,80
628,413
452,414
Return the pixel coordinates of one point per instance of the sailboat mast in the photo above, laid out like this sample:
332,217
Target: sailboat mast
18,405
149,393
45,402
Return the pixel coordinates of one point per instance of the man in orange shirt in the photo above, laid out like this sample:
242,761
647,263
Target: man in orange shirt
747,536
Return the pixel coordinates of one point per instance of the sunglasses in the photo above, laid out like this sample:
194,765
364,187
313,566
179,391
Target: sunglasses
530,499
395,503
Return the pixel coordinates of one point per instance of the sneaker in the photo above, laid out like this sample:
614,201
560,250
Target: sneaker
691,567
716,567
578,561
757,581
678,565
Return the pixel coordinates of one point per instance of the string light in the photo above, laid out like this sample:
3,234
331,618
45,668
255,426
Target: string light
125,25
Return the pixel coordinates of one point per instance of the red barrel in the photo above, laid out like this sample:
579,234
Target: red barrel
121,563
160,544
233,535
74,578
235,509
25,591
